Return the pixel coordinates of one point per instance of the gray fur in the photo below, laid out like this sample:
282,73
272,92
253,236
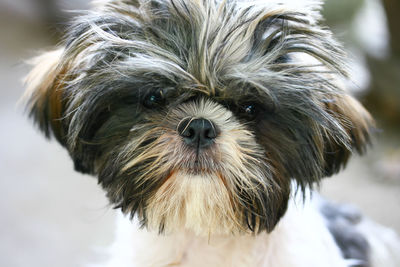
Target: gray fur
342,221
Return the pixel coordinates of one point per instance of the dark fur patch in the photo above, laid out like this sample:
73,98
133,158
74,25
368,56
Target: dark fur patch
342,222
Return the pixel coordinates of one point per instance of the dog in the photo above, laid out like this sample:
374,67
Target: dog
209,123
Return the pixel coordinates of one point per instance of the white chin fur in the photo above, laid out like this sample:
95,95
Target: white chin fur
199,203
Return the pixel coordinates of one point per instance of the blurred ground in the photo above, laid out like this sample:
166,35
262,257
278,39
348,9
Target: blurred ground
52,216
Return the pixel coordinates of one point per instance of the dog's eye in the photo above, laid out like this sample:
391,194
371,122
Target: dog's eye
154,99
249,110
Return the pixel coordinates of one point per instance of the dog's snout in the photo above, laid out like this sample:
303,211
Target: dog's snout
199,133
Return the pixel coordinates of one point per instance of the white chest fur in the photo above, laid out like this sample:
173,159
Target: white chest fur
301,239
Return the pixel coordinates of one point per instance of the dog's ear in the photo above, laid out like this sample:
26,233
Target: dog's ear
46,99
357,123
44,94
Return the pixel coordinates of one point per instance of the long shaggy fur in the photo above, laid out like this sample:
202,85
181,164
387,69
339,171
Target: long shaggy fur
207,59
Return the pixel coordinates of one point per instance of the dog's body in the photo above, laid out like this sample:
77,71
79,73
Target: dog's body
300,231
201,120
302,238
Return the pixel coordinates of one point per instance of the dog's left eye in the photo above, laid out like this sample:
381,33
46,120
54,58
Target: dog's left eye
249,110
154,99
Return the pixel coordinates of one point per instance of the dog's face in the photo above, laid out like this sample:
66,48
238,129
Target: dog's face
200,114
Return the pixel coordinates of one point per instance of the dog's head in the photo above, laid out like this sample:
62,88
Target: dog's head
200,114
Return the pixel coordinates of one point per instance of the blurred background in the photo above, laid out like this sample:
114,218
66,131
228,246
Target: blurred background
52,216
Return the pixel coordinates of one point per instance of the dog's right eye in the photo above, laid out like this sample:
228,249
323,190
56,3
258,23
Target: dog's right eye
249,110
154,99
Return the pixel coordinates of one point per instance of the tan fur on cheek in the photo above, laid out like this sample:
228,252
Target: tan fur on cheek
358,120
43,74
357,125
44,93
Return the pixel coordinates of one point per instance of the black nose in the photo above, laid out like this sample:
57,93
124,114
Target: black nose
199,133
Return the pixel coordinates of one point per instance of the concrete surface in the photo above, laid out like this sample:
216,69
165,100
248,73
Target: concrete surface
52,216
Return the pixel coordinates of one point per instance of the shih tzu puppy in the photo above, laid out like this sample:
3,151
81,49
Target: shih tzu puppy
208,123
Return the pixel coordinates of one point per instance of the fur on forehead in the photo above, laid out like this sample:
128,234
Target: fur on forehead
201,43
